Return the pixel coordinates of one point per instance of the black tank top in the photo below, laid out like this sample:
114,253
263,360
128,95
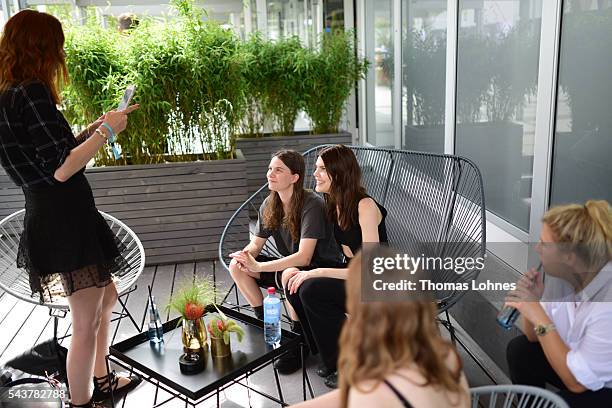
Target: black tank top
403,400
352,237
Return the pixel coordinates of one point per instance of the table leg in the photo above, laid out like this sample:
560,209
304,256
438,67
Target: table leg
248,389
278,386
303,370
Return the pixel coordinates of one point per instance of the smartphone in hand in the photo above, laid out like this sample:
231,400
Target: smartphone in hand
127,97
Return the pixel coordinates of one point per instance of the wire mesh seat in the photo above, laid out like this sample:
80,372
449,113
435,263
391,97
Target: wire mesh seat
15,281
515,396
431,199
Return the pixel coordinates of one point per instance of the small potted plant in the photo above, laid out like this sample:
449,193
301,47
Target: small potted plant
190,301
219,328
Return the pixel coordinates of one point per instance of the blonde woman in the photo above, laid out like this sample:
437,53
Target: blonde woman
392,354
568,340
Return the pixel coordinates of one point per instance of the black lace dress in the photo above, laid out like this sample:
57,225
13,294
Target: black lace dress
66,238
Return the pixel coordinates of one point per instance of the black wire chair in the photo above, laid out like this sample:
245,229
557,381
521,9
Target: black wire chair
431,199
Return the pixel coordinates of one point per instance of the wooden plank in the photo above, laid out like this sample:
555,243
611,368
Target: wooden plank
171,219
181,234
14,322
185,249
185,241
229,184
145,181
11,191
178,226
7,303
156,172
176,211
28,334
162,287
173,258
201,203
184,274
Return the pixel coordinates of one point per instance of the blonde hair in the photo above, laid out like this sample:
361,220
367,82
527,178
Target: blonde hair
381,338
587,227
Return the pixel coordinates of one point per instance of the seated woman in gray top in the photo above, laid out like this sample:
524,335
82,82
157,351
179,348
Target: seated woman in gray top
296,219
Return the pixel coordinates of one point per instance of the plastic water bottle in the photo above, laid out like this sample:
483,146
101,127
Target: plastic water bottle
272,312
156,331
507,317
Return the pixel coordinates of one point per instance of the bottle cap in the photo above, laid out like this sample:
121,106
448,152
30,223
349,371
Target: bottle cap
271,290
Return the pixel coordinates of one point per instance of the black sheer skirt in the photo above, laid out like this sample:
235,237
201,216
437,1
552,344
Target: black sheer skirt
66,244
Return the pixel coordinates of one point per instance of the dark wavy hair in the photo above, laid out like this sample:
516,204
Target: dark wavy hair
346,190
274,215
31,48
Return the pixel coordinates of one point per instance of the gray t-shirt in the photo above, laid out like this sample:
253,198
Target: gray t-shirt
314,225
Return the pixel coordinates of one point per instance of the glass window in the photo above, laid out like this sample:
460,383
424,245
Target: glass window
333,15
497,67
582,166
379,81
423,74
288,18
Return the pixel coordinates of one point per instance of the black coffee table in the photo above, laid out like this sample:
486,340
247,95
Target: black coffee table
158,364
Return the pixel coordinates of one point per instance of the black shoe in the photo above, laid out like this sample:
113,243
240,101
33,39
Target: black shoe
289,362
323,371
332,380
102,390
90,404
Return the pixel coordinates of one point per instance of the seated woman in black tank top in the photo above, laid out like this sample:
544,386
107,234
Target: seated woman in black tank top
318,295
408,364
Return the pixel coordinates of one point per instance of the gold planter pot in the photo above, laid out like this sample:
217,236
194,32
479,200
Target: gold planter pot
218,348
194,335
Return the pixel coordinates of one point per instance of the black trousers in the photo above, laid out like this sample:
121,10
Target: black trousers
528,365
320,305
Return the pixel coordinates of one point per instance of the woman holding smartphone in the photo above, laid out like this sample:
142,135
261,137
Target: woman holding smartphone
64,235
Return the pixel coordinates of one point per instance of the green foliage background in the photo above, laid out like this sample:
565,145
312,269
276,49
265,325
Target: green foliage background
199,86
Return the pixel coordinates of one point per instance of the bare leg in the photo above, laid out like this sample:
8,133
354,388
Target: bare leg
85,308
287,274
110,298
247,284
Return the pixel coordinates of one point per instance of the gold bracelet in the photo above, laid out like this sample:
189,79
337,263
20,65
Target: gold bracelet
98,131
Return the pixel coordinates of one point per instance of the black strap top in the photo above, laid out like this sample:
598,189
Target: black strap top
352,237
403,400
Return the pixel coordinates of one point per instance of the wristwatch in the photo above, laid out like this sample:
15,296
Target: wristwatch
542,329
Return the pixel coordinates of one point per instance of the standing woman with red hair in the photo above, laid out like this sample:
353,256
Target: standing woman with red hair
64,235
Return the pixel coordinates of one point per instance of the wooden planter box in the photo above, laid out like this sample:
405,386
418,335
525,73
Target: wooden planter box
258,151
178,210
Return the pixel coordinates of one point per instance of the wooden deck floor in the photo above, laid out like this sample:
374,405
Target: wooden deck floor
23,325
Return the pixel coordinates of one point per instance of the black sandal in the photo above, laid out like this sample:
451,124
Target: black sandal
102,391
90,404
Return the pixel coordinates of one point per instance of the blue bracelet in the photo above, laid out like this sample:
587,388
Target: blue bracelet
112,137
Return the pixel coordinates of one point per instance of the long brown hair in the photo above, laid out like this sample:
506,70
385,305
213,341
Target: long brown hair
31,48
274,215
380,338
346,190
